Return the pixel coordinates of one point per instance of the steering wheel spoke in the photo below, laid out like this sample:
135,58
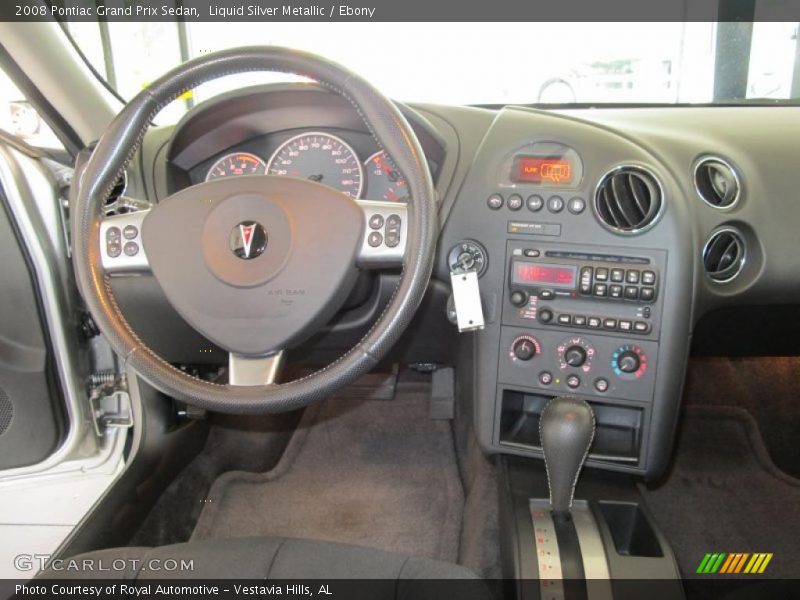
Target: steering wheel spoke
385,234
121,245
247,370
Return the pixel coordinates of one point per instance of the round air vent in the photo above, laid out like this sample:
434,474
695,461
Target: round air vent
628,199
110,207
723,255
717,182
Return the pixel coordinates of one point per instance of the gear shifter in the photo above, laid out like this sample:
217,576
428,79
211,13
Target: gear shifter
566,430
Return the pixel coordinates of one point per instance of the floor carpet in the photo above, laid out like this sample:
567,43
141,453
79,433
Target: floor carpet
724,494
374,473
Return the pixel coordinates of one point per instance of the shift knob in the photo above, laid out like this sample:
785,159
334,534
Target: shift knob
566,430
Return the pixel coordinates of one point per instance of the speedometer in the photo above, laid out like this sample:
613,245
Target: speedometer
235,164
319,157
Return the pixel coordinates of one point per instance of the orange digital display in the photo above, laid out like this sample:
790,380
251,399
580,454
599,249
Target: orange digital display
553,170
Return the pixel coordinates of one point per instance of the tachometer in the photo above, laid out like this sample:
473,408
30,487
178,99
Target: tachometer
384,179
235,164
319,157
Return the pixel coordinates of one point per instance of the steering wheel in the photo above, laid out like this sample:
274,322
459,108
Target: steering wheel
255,264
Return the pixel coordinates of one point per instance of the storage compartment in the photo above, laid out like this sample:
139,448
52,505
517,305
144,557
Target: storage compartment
630,529
617,437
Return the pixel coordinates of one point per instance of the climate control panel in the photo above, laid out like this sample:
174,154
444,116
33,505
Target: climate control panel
586,365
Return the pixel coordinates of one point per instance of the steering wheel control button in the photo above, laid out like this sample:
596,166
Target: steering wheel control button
393,223
113,234
535,203
248,240
601,384
514,202
376,221
576,206
113,249
545,378
555,204
573,381
375,239
131,249
495,202
392,239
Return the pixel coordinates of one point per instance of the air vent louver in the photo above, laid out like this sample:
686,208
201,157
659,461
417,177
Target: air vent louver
723,256
717,182
628,199
114,195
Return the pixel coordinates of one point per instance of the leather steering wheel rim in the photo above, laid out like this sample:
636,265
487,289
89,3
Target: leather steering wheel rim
124,136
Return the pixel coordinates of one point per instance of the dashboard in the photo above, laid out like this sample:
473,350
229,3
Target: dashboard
600,239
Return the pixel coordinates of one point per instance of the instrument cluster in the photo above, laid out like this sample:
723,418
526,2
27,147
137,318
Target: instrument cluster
322,157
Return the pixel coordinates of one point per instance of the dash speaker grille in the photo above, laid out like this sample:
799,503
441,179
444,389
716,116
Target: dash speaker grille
6,411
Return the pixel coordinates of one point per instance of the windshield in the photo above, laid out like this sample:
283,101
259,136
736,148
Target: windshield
482,63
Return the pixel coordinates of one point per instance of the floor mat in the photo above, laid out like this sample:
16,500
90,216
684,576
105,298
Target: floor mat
368,472
724,494
766,387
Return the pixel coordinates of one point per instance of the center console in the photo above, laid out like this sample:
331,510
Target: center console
585,270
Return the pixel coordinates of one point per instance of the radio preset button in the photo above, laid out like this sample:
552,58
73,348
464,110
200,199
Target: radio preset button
495,201
615,291
601,274
631,292
514,202
555,204
600,290
632,276
647,294
535,203
617,275
648,277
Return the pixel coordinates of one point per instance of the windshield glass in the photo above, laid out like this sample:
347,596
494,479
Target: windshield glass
483,63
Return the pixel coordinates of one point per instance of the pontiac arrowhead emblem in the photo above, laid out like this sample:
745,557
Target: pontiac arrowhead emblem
248,240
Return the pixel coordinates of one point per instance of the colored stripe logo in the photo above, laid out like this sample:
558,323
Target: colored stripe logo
734,563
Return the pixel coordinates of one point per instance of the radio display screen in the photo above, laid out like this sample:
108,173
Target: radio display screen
553,170
557,276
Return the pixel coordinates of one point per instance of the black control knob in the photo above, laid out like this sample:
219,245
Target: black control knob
628,362
519,298
524,349
545,315
575,356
